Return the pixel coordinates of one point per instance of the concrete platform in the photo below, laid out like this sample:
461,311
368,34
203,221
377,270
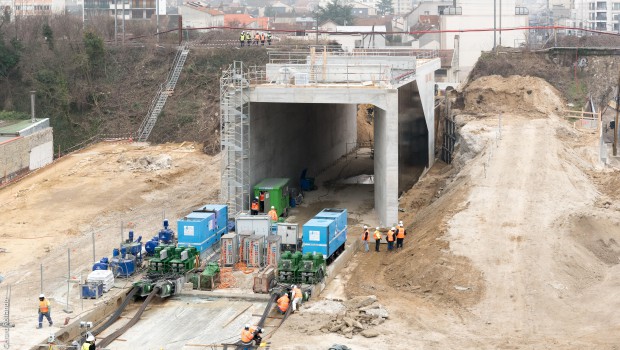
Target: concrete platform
187,322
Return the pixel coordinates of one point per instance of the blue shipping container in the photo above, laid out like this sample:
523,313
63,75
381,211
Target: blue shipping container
197,229
320,236
221,216
340,215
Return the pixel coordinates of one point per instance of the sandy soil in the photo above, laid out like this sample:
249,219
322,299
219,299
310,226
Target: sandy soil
94,190
513,246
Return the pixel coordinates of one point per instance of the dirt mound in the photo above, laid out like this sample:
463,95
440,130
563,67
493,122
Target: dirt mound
528,96
145,163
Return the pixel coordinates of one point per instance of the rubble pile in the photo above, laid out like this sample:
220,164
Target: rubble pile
360,316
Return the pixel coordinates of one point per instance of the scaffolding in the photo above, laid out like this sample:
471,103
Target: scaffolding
235,138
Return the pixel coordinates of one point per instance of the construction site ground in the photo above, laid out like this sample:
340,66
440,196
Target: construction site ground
513,245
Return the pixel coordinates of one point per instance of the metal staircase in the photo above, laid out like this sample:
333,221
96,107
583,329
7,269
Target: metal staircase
158,103
235,138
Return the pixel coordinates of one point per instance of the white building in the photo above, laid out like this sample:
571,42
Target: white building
352,37
477,14
197,15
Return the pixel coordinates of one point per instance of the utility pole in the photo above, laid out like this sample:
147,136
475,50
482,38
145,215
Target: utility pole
123,22
157,16
500,22
494,24
616,119
317,29
115,21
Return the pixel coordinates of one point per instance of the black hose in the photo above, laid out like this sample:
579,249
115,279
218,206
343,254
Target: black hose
110,338
115,316
267,310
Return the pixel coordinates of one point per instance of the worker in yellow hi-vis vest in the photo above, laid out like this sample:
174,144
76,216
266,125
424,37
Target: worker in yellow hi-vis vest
44,311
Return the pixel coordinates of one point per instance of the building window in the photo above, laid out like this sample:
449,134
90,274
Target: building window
616,6
591,6
601,16
453,11
601,5
521,11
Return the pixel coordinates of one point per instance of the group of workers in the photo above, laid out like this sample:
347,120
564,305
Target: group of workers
251,334
245,38
258,204
395,234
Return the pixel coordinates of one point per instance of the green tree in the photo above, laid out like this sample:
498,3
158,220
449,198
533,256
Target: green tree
384,7
9,54
336,11
48,35
93,44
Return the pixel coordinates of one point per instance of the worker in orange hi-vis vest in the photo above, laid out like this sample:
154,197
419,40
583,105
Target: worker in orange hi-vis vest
283,303
366,238
400,235
44,311
254,207
256,38
273,214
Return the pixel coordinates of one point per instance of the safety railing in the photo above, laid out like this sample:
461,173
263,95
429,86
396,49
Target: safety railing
305,55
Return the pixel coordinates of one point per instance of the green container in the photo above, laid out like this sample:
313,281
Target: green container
276,194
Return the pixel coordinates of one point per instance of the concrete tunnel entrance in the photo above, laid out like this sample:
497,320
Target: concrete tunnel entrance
286,138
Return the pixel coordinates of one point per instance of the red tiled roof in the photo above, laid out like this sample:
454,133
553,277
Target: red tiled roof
245,19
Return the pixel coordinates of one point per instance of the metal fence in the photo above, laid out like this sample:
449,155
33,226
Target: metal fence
66,264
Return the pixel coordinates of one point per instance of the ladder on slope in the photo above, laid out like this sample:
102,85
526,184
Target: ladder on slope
235,138
158,103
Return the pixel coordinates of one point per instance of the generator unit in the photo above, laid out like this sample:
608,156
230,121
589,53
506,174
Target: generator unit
244,245
221,216
122,265
312,268
289,234
229,253
258,224
272,252
255,252
326,234
288,267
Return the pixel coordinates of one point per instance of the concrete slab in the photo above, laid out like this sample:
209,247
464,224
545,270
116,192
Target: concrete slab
188,322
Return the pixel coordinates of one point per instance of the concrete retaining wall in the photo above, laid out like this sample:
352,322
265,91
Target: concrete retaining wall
286,138
15,155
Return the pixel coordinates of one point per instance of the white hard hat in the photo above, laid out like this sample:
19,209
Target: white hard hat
365,226
41,295
400,223
393,228
90,337
272,207
247,326
294,286
377,227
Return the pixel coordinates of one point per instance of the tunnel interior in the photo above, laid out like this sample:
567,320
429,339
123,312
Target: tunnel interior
289,137
412,137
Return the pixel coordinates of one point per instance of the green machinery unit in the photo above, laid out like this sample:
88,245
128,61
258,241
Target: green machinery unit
184,259
288,267
312,268
160,263
146,286
276,194
206,279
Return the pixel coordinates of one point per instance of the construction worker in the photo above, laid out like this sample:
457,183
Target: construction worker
242,38
261,201
269,38
297,297
250,334
365,238
262,38
248,38
44,310
254,207
256,38
89,344
273,214
400,236
390,238
283,303
377,236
